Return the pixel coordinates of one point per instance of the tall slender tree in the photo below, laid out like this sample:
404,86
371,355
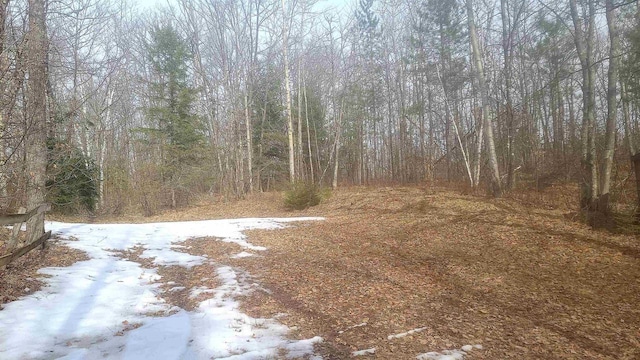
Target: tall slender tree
584,39
612,108
478,71
287,78
36,111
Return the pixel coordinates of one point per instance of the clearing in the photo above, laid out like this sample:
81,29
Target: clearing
390,273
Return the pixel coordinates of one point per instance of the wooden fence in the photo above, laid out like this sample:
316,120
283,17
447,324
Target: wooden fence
17,220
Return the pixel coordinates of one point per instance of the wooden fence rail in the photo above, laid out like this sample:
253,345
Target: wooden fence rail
10,219
6,259
17,220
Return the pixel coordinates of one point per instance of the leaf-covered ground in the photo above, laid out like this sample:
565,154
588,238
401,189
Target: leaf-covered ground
21,277
519,276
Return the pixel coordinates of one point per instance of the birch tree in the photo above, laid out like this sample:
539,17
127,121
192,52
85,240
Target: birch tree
478,71
287,83
612,108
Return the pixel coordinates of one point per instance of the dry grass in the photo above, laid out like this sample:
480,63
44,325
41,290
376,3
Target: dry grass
258,205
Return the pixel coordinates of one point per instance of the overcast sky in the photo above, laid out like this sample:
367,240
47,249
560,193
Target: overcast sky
322,4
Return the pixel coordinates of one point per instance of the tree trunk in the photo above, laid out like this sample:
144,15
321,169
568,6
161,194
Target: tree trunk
334,183
431,147
457,132
4,114
636,166
506,49
591,109
496,187
626,116
612,110
299,151
36,107
584,47
478,156
287,80
634,154
306,115
247,119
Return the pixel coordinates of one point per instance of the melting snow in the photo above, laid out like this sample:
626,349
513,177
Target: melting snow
456,354
352,327
242,255
364,352
199,290
396,336
83,308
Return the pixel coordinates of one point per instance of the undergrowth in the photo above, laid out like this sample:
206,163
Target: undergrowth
302,195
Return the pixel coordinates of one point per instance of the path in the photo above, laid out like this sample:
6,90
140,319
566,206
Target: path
110,307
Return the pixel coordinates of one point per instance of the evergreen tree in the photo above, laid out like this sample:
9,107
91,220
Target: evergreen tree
172,100
269,129
367,23
72,183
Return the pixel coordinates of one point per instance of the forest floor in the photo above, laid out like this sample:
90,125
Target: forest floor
400,273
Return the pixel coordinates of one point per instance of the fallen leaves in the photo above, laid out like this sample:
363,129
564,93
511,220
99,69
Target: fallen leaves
469,269
127,326
21,277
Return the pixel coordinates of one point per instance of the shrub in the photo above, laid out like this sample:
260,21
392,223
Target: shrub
72,182
301,196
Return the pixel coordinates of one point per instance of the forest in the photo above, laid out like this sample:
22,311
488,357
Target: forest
109,106
307,179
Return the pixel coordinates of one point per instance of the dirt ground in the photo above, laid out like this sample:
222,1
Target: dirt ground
519,276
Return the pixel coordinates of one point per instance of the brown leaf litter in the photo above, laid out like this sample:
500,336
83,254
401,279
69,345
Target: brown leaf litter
522,281
21,277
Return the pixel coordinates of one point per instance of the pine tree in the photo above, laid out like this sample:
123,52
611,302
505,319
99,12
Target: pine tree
172,97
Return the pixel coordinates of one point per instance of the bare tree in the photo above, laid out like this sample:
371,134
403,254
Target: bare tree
4,115
584,42
391,91
510,23
478,71
287,80
612,108
36,108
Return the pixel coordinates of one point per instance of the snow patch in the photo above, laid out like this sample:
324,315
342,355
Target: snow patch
410,332
352,327
218,322
81,306
455,354
167,258
364,352
86,311
243,254
199,290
